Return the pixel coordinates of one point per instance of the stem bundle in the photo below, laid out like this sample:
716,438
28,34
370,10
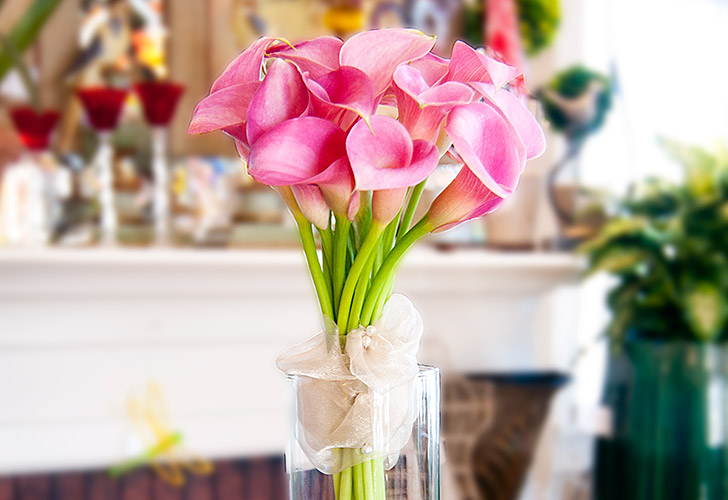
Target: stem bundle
353,280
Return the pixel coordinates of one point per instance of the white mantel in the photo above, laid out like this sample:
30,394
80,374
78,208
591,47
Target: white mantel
82,330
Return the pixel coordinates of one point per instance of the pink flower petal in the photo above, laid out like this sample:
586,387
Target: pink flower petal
246,67
282,96
346,89
388,158
469,65
378,52
243,149
422,109
296,151
223,108
317,57
311,201
518,114
432,68
463,199
386,204
409,79
337,185
385,147
488,144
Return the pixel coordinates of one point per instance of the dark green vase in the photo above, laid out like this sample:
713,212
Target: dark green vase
669,404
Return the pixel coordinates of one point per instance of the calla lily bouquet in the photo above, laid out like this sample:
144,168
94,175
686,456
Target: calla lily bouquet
349,132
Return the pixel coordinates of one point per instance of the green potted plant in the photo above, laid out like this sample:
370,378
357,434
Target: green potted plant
666,384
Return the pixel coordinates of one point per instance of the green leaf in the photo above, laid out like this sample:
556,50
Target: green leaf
26,30
617,260
612,230
705,311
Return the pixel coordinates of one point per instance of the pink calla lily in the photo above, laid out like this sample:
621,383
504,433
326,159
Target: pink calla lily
316,57
281,96
488,144
324,120
465,198
342,95
378,53
225,108
518,114
433,68
246,67
295,151
337,186
311,202
494,156
385,157
422,108
469,65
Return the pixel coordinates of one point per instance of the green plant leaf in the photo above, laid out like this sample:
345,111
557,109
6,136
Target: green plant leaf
613,229
26,30
617,260
705,311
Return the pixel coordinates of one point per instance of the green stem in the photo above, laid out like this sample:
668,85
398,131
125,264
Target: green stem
346,484
379,254
341,242
363,217
358,481
337,484
390,266
360,294
314,266
369,245
369,480
327,258
388,238
409,213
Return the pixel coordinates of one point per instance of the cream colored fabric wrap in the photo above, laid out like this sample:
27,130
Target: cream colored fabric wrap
359,404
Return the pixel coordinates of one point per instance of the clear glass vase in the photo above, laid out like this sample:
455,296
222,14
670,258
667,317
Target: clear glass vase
415,474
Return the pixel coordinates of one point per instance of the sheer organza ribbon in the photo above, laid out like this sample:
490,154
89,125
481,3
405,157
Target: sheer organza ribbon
357,404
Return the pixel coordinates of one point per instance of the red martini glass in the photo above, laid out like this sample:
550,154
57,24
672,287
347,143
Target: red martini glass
34,127
28,201
159,101
103,107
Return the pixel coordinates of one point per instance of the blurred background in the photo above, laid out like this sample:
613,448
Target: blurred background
147,283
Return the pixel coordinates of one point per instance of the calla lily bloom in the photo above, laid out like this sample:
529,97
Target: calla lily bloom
518,114
316,57
281,96
246,67
378,53
469,65
422,108
337,187
295,151
433,68
246,110
225,108
494,155
488,144
386,157
312,204
342,95
465,198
